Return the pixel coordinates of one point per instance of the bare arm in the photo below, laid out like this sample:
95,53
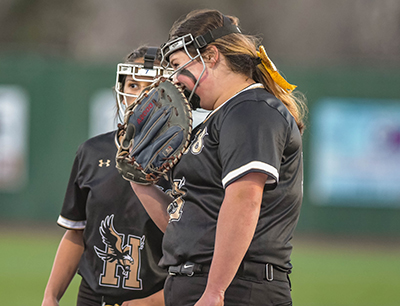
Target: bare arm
155,202
233,226
156,299
64,267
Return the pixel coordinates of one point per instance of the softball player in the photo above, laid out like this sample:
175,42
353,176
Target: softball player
110,239
238,188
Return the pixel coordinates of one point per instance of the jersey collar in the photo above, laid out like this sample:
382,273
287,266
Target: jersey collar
252,86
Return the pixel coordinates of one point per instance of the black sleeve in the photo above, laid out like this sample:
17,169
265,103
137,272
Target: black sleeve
73,214
252,139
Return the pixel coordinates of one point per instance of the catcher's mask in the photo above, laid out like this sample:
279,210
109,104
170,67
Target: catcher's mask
198,42
140,73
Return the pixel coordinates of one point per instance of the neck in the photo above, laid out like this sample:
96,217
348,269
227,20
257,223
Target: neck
231,85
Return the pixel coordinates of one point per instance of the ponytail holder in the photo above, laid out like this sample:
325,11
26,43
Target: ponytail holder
273,72
257,61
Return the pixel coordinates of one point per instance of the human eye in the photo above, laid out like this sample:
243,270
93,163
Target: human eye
174,64
131,87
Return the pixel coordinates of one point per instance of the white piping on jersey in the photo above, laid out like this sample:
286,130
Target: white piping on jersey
252,86
71,224
253,165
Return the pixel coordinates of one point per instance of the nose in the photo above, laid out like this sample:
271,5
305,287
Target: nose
175,78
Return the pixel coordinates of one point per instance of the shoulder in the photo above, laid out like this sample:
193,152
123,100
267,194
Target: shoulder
101,147
257,105
98,142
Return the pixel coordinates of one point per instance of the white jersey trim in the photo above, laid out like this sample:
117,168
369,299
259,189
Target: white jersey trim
273,175
71,224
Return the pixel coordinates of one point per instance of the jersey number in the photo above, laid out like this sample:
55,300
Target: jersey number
175,209
198,144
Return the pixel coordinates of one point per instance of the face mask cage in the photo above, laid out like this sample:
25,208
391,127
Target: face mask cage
140,74
198,42
174,45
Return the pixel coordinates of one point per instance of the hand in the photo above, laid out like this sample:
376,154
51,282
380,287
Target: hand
142,302
132,303
139,302
211,299
156,299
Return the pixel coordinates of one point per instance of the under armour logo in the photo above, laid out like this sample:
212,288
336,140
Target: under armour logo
102,163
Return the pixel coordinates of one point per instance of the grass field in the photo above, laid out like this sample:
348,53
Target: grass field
327,271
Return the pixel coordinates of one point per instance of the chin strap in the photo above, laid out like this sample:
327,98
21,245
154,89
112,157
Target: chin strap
273,72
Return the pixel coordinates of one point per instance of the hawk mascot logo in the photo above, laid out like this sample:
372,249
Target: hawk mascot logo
116,254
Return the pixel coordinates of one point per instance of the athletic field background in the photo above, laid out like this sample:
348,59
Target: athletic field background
346,268
328,270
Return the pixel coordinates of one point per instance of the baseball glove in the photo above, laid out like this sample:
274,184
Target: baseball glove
155,133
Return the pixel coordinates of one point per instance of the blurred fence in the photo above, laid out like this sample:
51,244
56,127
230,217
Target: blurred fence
46,106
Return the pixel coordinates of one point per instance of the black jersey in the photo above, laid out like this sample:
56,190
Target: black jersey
122,244
251,132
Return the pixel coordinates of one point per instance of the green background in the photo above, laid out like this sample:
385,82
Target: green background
343,255
59,92
328,271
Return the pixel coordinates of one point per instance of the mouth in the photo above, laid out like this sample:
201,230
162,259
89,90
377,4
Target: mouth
192,97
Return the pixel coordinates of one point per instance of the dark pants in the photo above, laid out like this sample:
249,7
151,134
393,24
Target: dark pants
86,297
186,291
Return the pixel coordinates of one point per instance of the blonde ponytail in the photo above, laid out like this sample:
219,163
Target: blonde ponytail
281,89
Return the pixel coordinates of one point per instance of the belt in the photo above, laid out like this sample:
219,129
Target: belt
254,270
261,271
188,269
103,303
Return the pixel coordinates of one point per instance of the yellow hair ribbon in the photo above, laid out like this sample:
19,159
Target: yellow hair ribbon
273,72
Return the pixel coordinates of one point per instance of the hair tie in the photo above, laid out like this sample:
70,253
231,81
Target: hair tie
257,60
273,72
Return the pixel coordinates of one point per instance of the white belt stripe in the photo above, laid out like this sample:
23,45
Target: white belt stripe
71,224
253,165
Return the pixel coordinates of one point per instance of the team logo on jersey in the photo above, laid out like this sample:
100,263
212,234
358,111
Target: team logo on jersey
104,163
175,209
198,144
120,260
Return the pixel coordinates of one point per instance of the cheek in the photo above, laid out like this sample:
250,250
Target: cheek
186,80
130,100
130,91
190,78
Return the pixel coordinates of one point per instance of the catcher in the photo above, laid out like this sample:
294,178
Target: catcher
238,187
110,239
